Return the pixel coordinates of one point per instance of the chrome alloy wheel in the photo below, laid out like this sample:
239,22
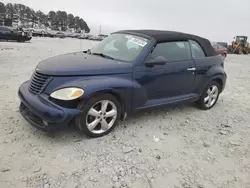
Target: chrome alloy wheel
211,96
101,116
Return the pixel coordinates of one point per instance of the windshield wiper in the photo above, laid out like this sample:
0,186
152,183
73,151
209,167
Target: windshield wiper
87,51
103,55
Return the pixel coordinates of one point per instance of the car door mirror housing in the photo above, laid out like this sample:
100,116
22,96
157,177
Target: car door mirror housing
158,60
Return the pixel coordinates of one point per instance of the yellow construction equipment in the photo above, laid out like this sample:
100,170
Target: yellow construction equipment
239,45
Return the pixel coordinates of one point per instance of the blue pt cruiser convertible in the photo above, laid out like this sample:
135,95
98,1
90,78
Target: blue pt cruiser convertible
128,71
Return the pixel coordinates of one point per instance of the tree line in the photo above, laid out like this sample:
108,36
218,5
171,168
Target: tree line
59,20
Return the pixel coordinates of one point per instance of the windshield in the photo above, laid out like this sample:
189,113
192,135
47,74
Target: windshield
240,39
120,46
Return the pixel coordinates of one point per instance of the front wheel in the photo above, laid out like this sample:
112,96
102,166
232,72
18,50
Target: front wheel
239,50
210,96
99,116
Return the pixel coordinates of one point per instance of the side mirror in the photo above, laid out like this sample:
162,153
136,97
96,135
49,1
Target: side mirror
158,60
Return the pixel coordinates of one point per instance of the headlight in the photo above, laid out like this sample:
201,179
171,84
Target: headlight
67,93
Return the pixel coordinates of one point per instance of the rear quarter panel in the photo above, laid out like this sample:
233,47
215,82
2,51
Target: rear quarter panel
208,69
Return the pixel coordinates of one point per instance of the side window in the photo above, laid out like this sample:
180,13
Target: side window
197,51
173,51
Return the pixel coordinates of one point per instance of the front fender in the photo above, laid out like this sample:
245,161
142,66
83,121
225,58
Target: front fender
119,85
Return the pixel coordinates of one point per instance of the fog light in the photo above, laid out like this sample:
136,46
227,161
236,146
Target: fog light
45,123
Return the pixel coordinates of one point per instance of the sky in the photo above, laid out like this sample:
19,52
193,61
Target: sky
217,20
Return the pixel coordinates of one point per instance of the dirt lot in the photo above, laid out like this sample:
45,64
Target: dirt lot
180,147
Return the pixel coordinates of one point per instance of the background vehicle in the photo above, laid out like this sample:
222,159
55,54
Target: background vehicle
60,35
16,34
220,50
240,45
127,71
224,44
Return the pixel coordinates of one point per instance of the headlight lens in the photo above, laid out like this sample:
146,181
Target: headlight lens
67,93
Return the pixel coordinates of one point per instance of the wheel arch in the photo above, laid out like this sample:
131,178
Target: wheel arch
219,81
117,95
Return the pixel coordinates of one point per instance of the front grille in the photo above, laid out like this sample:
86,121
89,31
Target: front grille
38,82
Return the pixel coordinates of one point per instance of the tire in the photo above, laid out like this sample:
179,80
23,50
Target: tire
239,50
245,51
201,102
21,40
99,120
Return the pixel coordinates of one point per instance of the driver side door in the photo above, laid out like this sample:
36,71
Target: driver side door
171,82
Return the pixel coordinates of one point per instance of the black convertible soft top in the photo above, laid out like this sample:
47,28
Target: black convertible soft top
168,36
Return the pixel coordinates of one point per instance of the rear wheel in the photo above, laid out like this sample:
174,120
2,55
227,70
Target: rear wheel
210,96
99,116
21,40
245,50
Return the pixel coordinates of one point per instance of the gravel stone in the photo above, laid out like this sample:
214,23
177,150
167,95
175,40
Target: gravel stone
226,125
158,157
122,173
115,178
5,169
117,185
200,186
206,144
37,170
223,132
72,185
149,175
186,185
127,150
234,143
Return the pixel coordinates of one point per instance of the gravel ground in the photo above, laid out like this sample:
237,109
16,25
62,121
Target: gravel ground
177,147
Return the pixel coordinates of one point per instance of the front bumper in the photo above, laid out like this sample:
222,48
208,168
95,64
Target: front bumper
40,112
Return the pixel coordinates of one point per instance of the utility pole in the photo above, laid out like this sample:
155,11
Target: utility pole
100,30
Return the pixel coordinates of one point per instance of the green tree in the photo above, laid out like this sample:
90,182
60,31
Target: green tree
9,14
52,18
77,22
2,8
61,17
83,25
42,18
20,12
71,20
2,13
9,11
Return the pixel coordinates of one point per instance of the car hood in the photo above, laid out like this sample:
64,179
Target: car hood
80,63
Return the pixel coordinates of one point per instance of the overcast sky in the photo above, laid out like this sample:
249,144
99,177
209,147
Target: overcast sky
214,19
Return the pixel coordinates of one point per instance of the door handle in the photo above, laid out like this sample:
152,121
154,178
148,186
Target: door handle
191,69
